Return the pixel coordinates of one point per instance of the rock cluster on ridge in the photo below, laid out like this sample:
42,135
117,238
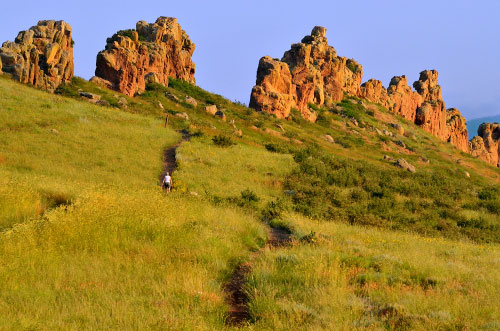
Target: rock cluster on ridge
149,54
41,56
486,145
312,73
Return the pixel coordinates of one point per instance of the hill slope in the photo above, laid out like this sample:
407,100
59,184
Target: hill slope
96,244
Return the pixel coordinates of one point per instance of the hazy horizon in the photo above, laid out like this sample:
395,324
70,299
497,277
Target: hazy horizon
455,38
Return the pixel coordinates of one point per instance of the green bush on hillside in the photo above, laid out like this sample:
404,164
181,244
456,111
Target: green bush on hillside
223,141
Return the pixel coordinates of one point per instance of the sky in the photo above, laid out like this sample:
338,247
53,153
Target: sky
458,38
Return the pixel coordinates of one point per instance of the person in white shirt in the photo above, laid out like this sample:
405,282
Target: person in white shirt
167,182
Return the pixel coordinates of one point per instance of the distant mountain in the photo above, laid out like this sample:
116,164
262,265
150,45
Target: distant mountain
474,124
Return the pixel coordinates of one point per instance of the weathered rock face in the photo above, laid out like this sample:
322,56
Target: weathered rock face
457,130
150,53
310,72
431,115
402,99
486,144
374,91
41,56
274,92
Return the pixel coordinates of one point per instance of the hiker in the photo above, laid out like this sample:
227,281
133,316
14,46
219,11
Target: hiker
167,182
166,121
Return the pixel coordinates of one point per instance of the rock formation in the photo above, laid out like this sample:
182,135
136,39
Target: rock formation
41,56
486,144
310,72
457,130
149,54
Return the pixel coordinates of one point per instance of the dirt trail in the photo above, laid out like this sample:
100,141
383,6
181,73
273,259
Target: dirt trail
169,161
236,297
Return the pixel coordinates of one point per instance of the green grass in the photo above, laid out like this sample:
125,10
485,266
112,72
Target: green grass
89,241
360,278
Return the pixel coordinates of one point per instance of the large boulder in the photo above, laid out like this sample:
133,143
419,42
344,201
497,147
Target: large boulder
150,53
309,73
41,56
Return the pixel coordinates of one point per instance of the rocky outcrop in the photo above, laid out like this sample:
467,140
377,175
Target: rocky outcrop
424,106
375,92
274,93
310,72
149,54
402,99
486,145
457,130
41,56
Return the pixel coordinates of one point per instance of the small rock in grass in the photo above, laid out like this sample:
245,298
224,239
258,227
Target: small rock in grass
402,163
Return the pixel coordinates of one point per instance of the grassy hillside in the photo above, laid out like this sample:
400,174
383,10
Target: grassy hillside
89,240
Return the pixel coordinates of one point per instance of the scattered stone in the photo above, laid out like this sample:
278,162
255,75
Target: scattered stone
220,114
387,133
90,96
41,56
400,144
103,103
329,138
272,132
388,158
399,128
54,131
123,102
253,127
467,175
402,163
424,160
211,109
280,127
160,105
172,97
193,193
150,53
101,82
184,116
191,101
354,122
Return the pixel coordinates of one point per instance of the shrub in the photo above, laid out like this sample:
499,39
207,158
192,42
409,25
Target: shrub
223,141
126,33
277,148
249,196
156,87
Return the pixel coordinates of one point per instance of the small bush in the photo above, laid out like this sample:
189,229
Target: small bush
223,141
249,196
156,87
126,33
277,148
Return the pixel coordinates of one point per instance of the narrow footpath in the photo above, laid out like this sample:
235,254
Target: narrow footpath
236,297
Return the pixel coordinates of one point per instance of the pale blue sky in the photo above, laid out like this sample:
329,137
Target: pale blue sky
458,38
